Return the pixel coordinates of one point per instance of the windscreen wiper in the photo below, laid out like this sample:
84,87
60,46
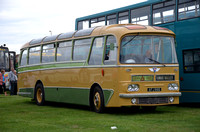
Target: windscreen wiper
131,39
156,61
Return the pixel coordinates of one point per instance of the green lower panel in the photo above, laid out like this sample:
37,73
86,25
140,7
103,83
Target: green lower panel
73,95
26,92
51,94
68,95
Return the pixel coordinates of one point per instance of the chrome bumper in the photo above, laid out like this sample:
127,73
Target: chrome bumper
24,93
150,95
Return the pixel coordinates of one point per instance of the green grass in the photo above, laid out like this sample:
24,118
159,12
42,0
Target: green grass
21,114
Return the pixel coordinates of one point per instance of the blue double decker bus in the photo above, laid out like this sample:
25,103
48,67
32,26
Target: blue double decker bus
180,16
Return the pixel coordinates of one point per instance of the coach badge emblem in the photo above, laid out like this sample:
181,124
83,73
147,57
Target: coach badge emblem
154,69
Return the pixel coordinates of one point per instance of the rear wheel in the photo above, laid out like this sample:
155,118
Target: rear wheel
39,95
97,101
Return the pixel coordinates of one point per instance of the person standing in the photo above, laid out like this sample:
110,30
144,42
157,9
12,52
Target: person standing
12,80
1,81
4,82
15,88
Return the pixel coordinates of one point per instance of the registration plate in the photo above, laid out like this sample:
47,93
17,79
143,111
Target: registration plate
154,89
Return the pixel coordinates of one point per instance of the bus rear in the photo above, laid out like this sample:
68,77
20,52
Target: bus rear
7,60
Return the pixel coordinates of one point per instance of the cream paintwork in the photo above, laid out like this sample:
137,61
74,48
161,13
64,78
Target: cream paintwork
116,78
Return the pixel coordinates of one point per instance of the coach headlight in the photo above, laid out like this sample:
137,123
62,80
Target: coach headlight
133,87
172,86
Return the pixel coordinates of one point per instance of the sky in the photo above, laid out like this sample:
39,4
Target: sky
24,20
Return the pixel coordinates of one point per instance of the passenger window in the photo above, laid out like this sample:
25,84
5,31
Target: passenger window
97,51
48,53
188,9
81,49
164,12
141,16
191,60
64,51
34,55
23,61
123,18
111,52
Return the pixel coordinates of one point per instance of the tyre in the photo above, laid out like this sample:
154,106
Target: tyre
97,100
39,95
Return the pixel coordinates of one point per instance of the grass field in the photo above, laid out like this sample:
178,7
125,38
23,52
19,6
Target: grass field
21,114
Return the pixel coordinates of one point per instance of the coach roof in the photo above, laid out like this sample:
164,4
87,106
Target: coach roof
103,30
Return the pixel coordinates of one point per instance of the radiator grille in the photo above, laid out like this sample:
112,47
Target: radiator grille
153,100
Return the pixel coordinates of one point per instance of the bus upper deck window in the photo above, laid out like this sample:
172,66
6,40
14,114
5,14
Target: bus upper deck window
83,24
164,12
141,16
188,9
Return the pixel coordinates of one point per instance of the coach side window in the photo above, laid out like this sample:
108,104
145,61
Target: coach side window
97,51
34,55
23,61
48,53
64,51
110,51
81,49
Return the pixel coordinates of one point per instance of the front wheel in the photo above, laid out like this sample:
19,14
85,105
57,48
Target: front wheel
39,95
97,103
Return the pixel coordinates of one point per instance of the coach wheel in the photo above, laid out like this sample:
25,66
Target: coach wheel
39,95
98,100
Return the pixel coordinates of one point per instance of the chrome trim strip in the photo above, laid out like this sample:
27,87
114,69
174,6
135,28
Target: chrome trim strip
50,63
53,87
94,66
134,65
23,93
75,88
151,65
74,67
150,95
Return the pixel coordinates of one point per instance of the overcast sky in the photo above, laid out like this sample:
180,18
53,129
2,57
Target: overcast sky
24,20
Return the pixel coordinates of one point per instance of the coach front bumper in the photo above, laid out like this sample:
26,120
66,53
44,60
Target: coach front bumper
150,95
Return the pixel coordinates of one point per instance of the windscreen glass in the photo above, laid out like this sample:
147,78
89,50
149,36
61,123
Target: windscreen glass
148,49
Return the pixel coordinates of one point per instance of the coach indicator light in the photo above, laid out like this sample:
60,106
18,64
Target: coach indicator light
172,86
133,87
